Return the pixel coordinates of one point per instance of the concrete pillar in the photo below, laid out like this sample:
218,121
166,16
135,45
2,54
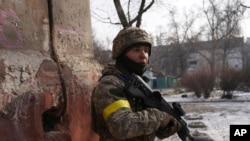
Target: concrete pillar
47,70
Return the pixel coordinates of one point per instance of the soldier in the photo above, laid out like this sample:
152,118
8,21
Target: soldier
116,117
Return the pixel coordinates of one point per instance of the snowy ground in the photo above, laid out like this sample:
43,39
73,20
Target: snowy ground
217,114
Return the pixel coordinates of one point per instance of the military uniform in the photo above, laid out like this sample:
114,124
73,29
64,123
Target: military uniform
116,117
110,106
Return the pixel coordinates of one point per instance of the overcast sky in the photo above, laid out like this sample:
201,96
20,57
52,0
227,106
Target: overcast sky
154,21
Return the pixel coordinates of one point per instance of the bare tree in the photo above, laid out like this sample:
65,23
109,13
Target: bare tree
172,56
245,6
129,12
222,26
180,34
101,55
127,21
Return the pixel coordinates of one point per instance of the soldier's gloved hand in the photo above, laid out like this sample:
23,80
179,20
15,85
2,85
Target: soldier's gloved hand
169,126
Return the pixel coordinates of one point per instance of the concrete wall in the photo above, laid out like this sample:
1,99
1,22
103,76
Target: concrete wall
47,70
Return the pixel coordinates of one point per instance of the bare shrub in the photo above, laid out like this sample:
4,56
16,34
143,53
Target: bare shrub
189,80
200,81
207,81
229,80
246,77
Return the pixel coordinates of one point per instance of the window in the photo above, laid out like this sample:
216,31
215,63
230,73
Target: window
192,62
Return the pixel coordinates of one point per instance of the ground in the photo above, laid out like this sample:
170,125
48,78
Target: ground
215,113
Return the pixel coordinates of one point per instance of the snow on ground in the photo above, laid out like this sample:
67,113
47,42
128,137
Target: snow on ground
217,114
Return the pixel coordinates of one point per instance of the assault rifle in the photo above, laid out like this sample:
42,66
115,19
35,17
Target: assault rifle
136,87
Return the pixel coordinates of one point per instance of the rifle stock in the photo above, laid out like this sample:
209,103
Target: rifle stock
136,87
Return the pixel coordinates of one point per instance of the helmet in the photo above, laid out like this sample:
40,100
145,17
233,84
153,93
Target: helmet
127,37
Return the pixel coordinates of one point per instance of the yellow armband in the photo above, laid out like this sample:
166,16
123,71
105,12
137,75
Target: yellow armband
111,108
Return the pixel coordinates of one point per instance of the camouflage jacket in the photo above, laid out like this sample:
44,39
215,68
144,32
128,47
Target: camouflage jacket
116,118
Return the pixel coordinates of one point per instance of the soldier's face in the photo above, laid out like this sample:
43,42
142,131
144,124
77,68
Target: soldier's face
139,54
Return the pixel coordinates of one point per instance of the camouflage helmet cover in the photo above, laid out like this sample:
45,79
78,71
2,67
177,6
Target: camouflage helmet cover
127,37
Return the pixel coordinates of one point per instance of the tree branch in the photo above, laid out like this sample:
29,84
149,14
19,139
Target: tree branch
142,11
244,5
121,14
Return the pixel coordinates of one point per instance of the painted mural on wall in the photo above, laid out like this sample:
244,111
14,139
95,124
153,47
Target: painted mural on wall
10,33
